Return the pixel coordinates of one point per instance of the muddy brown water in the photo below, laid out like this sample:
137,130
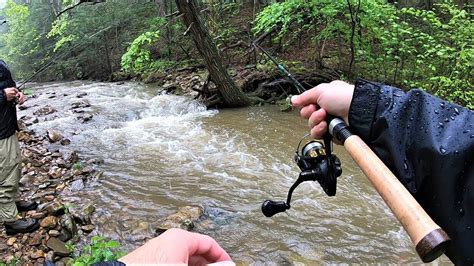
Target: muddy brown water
163,151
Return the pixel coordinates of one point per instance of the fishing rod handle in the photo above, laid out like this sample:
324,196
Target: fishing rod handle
429,239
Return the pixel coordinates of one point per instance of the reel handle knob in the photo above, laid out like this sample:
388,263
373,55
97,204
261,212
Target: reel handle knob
270,207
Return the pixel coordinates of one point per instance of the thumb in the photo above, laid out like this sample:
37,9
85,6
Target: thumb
307,97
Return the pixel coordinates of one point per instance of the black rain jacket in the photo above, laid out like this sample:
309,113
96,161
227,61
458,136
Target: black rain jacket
428,144
8,119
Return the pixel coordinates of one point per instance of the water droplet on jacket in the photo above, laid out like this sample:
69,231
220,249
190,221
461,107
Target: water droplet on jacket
417,93
411,118
405,165
436,111
442,150
469,227
440,124
387,103
446,120
452,117
441,104
461,211
456,152
472,136
456,110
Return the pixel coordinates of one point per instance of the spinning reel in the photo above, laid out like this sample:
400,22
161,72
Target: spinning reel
317,163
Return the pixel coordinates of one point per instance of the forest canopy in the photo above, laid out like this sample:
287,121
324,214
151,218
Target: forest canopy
423,44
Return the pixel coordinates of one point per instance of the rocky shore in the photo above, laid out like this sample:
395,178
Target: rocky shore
47,171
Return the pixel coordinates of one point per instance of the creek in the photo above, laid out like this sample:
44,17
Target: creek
162,152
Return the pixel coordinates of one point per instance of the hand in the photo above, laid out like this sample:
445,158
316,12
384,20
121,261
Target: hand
11,93
176,246
21,98
333,98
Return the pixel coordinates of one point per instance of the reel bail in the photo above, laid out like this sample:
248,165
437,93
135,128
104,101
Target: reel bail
317,163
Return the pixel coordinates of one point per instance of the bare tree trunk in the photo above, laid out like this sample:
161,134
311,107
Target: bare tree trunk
231,94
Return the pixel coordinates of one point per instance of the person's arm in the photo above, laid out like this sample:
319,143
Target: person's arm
428,144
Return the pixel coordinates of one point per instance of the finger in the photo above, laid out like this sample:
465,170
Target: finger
307,97
308,110
318,131
317,117
206,247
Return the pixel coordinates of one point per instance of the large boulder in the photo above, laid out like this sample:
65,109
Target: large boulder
184,218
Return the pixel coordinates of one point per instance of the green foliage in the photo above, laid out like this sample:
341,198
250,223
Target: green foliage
78,166
13,262
429,49
99,250
138,56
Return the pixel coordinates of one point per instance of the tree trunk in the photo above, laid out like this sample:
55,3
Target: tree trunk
231,94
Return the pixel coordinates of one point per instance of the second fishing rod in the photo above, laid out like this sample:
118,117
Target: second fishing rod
317,163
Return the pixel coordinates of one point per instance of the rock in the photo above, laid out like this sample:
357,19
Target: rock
65,142
22,107
77,185
85,117
56,208
87,228
81,94
49,256
49,222
70,156
184,219
95,161
36,215
80,104
64,261
41,195
49,197
27,180
58,247
24,136
36,254
69,227
82,215
11,241
54,233
54,136
44,111
36,239
55,172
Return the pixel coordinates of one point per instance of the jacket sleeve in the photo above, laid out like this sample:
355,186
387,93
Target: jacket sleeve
3,97
428,144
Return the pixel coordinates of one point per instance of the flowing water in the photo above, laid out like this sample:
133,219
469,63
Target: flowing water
162,152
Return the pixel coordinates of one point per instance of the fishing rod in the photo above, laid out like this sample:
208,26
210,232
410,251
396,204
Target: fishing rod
317,163
60,56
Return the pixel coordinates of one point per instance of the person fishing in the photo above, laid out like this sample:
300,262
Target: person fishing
10,158
427,142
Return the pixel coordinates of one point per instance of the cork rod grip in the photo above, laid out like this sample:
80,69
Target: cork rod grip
430,240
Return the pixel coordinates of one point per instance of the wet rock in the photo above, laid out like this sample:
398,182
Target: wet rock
27,180
64,261
36,239
81,95
46,110
24,136
58,246
87,228
41,195
184,219
49,256
70,156
65,142
85,117
30,120
55,172
80,104
54,136
49,222
77,185
95,161
56,208
11,241
69,227
36,254
54,233
36,215
82,215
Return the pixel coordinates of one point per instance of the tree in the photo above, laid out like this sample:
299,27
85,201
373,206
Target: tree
229,91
